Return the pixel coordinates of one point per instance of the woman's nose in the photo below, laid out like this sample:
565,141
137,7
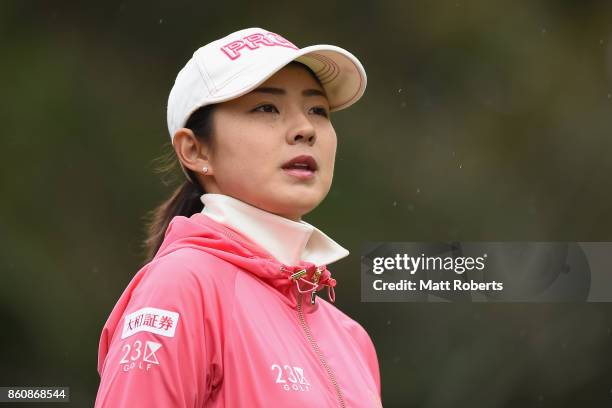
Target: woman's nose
302,131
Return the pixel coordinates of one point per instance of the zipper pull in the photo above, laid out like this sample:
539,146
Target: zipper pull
313,296
315,280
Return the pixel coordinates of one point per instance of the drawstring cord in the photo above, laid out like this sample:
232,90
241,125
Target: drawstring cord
297,275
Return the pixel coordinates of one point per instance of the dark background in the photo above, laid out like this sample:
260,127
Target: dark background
482,121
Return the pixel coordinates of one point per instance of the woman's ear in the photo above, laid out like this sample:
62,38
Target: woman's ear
191,151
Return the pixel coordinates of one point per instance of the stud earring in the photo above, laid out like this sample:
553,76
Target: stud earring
205,169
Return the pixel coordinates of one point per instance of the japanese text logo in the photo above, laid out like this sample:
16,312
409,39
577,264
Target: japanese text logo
151,319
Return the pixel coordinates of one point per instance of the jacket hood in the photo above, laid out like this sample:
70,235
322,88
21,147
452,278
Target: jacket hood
203,233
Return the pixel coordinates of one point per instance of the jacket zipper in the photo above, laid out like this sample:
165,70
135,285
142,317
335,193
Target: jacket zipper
317,351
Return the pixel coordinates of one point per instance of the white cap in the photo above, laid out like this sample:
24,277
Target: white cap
236,64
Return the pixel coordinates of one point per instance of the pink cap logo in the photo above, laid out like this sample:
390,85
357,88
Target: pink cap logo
253,42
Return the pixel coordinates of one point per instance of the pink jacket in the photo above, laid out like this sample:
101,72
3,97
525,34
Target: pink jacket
215,321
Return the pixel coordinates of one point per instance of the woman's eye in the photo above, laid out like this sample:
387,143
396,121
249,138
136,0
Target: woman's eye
321,111
266,108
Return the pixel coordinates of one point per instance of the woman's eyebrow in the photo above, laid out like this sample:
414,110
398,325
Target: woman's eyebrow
280,91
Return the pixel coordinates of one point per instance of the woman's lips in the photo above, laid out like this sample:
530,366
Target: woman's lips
302,167
302,174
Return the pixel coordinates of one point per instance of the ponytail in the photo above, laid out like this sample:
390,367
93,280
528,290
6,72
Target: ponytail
184,200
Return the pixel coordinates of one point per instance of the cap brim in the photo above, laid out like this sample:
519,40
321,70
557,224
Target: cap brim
340,73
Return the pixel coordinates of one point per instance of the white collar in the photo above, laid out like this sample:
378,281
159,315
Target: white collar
288,241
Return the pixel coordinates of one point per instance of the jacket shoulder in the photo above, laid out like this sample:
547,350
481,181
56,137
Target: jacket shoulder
190,265
170,320
186,279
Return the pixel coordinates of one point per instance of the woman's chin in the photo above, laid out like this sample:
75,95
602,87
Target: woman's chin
295,208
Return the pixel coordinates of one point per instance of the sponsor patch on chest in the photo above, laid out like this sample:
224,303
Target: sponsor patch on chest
290,378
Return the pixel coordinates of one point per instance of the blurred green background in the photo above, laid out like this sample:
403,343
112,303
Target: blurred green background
483,120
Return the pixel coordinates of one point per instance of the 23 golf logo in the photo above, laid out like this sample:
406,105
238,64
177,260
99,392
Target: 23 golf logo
137,356
291,378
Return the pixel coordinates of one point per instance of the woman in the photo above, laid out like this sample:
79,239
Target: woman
227,313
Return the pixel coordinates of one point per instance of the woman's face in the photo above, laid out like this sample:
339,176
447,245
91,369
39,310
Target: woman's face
256,136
